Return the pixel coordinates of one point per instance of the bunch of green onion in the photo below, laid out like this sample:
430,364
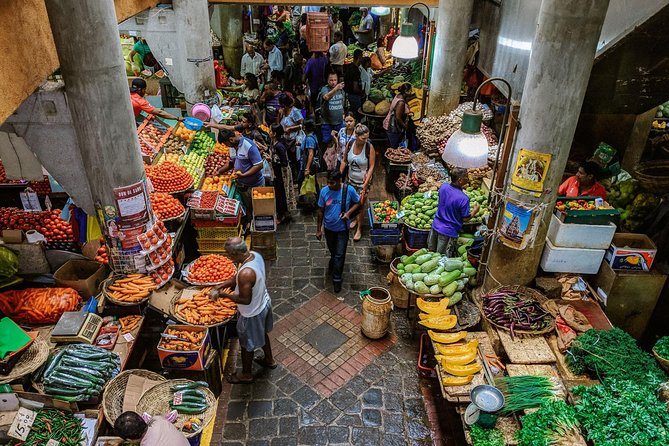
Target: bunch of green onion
527,391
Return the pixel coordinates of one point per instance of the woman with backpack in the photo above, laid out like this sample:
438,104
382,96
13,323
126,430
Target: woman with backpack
357,167
396,121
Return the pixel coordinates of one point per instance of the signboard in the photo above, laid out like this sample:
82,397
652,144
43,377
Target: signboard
519,225
529,173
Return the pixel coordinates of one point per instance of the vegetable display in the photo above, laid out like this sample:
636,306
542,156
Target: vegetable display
419,209
662,347
476,195
527,391
613,354
212,268
555,423
201,309
512,309
188,399
38,305
426,272
48,223
459,362
78,372
185,340
486,437
53,424
169,177
133,288
399,156
166,206
385,211
129,323
622,413
633,203
202,144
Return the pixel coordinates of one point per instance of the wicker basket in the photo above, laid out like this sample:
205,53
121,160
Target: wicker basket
156,401
653,176
120,303
36,355
529,292
112,397
177,316
664,363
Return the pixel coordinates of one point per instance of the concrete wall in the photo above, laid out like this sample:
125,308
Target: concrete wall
27,47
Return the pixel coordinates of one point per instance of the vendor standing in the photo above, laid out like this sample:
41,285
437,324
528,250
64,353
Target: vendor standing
140,104
452,212
584,183
365,31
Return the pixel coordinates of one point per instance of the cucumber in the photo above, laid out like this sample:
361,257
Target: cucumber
193,392
72,379
83,375
102,366
412,267
448,278
189,408
438,270
417,277
450,289
191,385
462,249
431,279
189,399
469,271
54,362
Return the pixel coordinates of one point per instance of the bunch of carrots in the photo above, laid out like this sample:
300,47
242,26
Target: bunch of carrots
201,309
132,288
38,305
192,341
129,323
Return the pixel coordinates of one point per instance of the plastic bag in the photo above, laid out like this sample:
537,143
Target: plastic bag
39,305
308,185
9,262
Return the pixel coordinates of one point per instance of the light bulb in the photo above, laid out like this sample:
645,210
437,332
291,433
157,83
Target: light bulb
466,150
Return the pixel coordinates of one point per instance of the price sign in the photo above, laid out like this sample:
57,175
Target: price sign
52,442
427,194
22,423
178,398
400,214
128,337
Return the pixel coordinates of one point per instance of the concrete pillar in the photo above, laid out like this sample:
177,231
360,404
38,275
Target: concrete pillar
232,38
453,19
198,70
86,37
559,69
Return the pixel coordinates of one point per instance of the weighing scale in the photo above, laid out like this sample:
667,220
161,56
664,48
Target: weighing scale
76,326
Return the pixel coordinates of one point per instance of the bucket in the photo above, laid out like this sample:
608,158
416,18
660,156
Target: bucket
398,293
201,111
376,307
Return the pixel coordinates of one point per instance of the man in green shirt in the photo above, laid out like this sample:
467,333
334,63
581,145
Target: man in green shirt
141,50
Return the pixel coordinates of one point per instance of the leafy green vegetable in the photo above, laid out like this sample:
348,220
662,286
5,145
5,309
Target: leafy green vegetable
613,354
486,437
525,392
662,347
554,423
622,413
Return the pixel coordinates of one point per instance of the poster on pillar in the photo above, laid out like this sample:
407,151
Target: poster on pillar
133,213
519,225
529,173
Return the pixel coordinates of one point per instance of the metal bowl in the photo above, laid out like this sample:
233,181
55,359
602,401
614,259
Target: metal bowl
487,398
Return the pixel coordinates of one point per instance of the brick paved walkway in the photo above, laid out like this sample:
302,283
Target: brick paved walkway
332,385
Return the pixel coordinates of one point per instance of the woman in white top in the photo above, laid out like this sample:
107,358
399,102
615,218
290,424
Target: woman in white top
358,160
345,135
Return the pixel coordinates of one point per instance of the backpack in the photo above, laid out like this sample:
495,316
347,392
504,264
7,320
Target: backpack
316,162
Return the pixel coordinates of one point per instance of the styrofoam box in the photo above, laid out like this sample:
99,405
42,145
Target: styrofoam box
571,235
571,260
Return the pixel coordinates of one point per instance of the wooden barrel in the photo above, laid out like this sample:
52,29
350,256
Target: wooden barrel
398,293
376,307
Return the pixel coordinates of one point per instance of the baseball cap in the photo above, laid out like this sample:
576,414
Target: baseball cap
138,84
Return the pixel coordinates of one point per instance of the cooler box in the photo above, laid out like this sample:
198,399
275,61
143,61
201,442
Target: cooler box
570,235
634,252
556,259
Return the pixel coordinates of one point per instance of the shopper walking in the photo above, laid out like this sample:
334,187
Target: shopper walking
269,101
294,72
314,74
309,153
353,84
152,431
291,119
252,62
358,168
452,212
336,203
282,176
274,58
345,136
254,305
337,54
397,119
331,101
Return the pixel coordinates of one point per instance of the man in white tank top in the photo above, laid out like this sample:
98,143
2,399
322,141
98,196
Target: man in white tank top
254,305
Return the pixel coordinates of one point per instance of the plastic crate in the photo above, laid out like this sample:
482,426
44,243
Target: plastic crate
384,236
379,225
416,238
218,233
217,246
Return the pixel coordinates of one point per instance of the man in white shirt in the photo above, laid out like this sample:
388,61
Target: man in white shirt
338,54
365,31
251,62
274,58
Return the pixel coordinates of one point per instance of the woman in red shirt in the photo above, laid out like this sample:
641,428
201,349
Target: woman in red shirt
584,183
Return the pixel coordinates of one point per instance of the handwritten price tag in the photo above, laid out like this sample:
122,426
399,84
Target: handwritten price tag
22,423
128,337
52,442
178,398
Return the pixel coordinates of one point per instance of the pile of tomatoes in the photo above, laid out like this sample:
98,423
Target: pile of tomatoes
41,188
161,275
48,223
212,268
166,206
169,177
102,255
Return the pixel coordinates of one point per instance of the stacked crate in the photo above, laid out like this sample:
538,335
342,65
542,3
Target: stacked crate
215,226
263,227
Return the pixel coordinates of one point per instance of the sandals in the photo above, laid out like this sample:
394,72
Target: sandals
235,379
357,236
261,362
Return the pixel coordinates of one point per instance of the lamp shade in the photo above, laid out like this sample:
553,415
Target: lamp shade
467,147
405,46
380,10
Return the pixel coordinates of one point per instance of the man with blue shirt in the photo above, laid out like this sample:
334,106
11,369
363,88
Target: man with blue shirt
247,165
335,207
452,211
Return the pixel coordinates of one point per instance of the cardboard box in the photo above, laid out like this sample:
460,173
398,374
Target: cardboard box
263,206
186,360
13,236
634,252
84,276
264,223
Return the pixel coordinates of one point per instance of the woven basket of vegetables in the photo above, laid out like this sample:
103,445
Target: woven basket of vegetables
653,176
112,397
131,290
517,309
661,352
197,402
202,310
